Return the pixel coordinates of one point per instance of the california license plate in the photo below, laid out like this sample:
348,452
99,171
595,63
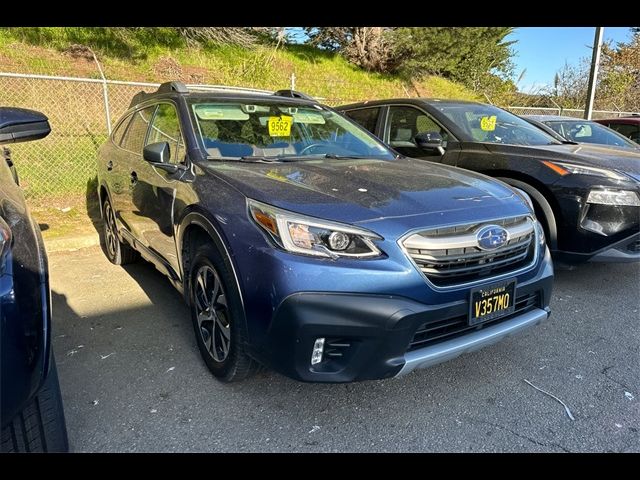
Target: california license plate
494,301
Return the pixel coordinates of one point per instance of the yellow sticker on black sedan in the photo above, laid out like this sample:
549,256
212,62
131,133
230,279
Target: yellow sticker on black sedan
488,124
280,126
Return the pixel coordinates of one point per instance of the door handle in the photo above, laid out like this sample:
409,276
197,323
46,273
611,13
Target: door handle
134,178
109,165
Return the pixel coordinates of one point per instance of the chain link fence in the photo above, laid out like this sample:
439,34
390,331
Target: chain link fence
81,113
567,112
61,167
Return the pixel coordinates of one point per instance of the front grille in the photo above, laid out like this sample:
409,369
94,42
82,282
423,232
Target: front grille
449,256
440,330
634,247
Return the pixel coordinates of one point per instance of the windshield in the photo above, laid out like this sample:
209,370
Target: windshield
485,123
268,130
589,132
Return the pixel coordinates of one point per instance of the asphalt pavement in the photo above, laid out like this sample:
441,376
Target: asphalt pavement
132,378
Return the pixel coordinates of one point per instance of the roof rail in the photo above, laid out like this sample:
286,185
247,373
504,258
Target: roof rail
166,87
172,87
293,94
225,88
180,87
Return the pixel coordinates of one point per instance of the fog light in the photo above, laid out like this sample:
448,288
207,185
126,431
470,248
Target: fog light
614,197
318,348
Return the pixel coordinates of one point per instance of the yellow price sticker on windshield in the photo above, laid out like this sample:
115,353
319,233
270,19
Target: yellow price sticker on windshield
488,124
280,126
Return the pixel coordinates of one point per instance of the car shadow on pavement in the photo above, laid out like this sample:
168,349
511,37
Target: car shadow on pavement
93,205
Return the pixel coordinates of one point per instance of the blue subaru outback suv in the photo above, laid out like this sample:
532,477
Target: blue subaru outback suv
302,243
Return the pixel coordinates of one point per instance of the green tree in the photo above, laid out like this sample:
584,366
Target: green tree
619,86
479,57
367,47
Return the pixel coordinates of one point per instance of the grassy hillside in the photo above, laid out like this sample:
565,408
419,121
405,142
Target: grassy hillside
128,57
57,173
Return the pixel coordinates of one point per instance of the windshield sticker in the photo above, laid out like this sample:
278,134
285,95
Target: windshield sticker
280,126
219,112
488,124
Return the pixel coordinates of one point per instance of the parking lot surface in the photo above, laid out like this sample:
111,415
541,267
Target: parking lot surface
132,378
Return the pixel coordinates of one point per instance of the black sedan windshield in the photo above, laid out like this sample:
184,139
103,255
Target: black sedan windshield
485,123
280,130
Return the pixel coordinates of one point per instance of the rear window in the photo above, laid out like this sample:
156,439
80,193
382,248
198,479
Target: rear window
118,133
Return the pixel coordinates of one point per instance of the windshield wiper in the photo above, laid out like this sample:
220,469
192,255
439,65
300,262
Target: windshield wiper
341,157
261,159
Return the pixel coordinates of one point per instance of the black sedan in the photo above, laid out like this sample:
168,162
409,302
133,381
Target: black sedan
586,196
31,408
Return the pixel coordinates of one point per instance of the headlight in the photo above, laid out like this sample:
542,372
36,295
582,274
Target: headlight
310,236
626,198
569,168
5,240
540,232
525,196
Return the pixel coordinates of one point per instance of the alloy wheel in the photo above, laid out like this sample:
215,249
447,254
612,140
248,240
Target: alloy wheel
212,313
110,236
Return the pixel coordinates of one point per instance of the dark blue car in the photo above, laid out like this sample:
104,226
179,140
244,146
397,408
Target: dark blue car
303,243
31,405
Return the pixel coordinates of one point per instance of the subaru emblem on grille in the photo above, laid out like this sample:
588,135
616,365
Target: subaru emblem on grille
491,237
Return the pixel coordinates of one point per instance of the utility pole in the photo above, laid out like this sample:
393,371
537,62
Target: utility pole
593,74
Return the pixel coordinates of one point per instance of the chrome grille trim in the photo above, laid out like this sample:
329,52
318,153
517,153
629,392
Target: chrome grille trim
426,241
449,257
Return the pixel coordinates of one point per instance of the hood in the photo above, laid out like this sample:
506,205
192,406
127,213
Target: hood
626,161
362,190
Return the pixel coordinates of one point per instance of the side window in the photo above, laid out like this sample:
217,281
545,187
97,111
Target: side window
365,117
625,129
118,133
407,122
166,128
133,139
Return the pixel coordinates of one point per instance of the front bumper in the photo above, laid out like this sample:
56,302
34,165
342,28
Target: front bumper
368,336
624,251
587,231
428,356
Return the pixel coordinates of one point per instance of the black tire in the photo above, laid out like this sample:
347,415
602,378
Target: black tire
40,427
118,253
220,322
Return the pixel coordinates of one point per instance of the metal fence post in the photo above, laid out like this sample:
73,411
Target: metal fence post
105,95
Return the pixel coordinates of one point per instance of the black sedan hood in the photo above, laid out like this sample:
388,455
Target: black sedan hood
627,161
366,189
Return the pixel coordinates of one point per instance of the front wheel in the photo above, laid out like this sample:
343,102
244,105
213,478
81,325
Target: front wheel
40,427
216,314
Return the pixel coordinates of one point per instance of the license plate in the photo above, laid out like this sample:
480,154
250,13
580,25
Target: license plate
493,301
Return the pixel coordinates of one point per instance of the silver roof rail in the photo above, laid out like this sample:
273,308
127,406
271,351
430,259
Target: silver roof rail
225,88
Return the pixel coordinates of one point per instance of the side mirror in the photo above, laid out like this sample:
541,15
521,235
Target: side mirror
22,125
430,142
157,153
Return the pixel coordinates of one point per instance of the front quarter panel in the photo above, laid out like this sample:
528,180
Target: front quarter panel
24,303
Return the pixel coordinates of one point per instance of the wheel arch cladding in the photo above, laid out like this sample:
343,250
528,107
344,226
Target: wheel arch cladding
540,195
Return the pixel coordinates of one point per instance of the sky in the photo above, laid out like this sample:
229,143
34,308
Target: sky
542,51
